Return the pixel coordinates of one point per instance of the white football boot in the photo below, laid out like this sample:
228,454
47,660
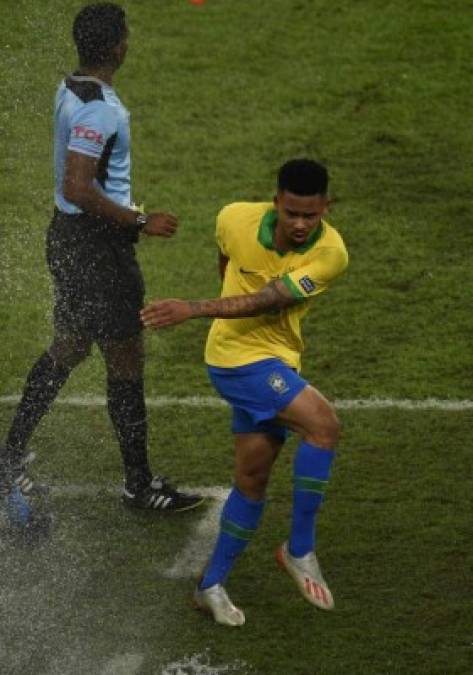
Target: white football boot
306,573
216,601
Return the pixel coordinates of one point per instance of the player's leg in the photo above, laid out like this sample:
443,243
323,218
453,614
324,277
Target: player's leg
68,262
124,360
242,511
241,515
71,343
43,383
315,420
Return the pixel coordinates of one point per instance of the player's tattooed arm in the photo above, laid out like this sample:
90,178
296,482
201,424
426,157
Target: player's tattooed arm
272,297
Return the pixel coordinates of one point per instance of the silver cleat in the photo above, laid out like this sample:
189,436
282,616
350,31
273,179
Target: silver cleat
216,601
306,573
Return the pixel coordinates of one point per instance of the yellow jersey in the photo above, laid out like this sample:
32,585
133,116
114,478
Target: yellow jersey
245,236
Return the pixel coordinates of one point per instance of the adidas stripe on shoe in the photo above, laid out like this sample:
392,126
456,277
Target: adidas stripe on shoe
306,573
159,495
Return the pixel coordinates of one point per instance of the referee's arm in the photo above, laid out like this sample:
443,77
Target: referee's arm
80,172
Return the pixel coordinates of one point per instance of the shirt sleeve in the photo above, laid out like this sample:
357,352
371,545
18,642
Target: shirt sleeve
91,127
221,231
315,276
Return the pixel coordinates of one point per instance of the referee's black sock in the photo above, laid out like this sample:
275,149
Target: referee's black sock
126,407
43,383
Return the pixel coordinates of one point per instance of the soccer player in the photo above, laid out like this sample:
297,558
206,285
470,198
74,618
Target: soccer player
97,281
274,260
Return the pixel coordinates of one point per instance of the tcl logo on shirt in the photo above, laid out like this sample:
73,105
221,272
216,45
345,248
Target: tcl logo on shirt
88,134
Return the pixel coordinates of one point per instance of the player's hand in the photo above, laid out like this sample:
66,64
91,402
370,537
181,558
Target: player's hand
165,313
160,225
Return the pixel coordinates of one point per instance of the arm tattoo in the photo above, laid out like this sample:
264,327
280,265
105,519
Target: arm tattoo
269,298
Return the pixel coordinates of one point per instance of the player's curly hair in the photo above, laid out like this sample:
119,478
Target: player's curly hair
303,177
97,29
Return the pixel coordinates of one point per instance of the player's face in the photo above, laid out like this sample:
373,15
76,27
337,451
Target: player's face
297,217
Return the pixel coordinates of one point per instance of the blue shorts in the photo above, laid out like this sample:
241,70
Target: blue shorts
257,392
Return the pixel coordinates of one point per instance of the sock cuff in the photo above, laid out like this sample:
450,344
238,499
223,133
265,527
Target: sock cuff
234,530
312,463
247,500
241,515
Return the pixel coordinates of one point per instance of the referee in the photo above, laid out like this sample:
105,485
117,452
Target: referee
98,284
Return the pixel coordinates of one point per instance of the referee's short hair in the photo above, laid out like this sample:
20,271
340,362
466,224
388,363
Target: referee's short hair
303,177
97,29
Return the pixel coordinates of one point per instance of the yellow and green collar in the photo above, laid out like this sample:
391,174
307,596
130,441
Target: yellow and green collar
266,234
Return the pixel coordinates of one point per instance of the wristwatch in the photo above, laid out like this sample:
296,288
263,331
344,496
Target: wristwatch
141,220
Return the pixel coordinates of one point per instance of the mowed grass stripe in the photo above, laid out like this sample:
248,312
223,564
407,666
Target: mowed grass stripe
453,405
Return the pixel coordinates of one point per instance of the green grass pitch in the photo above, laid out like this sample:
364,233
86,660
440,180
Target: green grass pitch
220,95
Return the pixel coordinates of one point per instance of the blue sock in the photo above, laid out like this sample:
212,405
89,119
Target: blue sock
239,520
311,474
18,509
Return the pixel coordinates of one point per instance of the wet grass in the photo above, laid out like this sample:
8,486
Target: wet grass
394,542
220,95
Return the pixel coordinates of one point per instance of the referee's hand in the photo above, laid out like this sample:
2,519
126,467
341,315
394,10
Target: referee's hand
161,225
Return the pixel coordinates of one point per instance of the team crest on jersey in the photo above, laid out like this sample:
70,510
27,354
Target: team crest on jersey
307,284
278,383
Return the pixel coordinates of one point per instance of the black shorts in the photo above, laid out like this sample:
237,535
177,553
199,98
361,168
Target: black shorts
98,285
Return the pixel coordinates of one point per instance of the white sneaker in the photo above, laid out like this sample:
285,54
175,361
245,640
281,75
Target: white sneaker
306,573
216,601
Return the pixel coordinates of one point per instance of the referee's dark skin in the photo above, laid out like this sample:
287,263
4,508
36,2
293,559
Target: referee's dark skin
98,285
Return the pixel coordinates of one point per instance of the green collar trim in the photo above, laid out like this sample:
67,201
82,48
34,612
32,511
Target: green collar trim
266,234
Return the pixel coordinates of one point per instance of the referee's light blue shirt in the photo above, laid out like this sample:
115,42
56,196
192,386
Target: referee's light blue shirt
90,119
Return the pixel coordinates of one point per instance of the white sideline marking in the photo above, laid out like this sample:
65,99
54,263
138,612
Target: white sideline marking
450,405
158,402
84,490
404,404
123,664
95,489
190,561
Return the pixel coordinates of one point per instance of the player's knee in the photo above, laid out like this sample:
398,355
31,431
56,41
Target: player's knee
253,482
324,429
124,360
69,356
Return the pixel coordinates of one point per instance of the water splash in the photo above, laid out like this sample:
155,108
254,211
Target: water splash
199,664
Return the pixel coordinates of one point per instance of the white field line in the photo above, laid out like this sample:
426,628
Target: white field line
95,489
449,405
190,561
